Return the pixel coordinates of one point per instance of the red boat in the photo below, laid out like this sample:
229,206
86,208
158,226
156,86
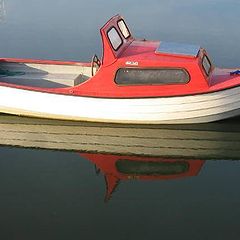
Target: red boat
136,81
118,168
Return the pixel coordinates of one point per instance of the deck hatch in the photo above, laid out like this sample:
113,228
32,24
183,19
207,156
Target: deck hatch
178,49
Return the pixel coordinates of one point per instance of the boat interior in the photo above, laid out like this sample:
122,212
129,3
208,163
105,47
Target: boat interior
43,75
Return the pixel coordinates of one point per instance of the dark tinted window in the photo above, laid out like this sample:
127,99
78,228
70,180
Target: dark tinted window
206,65
151,168
134,76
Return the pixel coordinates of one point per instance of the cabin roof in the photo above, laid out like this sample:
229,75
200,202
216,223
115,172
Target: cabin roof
142,50
178,49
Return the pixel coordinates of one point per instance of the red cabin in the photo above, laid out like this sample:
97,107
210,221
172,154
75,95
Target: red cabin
140,68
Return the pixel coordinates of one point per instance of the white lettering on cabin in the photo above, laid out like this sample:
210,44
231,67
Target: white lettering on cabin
131,63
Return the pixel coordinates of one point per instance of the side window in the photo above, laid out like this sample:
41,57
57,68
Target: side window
114,38
151,168
124,29
206,64
136,76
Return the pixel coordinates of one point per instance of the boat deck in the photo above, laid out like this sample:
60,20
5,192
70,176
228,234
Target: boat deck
43,75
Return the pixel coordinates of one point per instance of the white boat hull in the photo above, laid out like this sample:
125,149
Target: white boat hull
171,110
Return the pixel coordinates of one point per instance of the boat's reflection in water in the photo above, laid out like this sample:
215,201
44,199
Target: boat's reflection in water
116,168
220,140
130,151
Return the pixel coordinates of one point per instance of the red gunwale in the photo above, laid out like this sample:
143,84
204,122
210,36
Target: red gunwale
48,62
143,53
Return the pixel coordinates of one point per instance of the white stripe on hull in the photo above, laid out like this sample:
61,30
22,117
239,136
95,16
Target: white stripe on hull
185,109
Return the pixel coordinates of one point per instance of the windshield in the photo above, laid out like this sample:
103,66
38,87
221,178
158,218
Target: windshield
114,38
124,29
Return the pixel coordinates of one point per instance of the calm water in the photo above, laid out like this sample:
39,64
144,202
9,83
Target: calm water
49,194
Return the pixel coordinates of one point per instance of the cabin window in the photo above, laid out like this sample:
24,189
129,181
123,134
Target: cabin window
124,29
114,38
206,64
136,76
152,168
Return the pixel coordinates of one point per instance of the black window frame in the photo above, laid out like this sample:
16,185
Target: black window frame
210,63
153,84
126,27
110,40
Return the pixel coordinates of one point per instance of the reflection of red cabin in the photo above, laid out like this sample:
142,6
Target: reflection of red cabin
116,168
